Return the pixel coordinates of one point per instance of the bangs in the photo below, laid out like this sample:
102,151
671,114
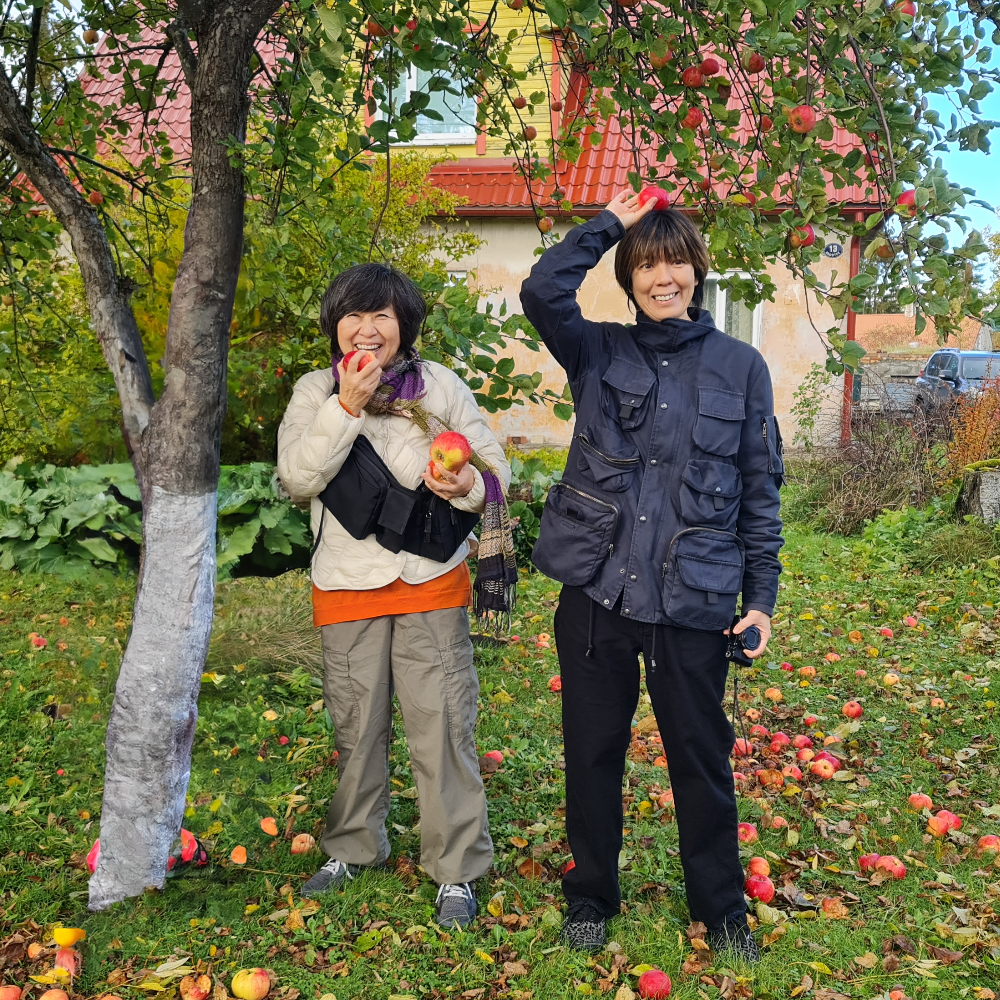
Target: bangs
663,243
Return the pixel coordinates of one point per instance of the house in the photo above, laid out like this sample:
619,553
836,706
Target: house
500,208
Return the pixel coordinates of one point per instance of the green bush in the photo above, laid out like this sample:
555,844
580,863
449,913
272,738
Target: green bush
71,521
531,479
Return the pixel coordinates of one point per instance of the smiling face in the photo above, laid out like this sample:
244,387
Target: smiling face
376,331
664,290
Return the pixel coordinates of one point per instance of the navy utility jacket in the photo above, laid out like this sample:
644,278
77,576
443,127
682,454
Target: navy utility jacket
670,498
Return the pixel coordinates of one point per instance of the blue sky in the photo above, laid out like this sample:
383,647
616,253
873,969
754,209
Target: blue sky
978,170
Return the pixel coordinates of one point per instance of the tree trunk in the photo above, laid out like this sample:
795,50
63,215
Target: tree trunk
152,724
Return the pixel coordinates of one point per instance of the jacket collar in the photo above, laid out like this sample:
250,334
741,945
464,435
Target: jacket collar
670,335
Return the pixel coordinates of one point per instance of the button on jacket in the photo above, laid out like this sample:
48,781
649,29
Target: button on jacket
670,495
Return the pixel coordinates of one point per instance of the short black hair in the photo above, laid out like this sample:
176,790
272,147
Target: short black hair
663,236
368,288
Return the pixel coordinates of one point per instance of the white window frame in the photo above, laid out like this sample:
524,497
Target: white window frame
722,298
466,137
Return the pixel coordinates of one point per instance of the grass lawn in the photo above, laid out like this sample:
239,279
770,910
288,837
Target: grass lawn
264,748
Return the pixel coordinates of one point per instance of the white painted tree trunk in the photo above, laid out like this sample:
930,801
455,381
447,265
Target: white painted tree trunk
147,773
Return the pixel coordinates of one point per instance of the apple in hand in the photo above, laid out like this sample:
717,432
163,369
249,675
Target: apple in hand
451,451
654,985
366,359
657,195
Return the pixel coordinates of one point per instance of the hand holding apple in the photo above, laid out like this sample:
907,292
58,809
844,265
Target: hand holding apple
629,209
449,485
359,378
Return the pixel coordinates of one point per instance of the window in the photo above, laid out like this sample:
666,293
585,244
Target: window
977,368
949,366
731,316
932,366
458,113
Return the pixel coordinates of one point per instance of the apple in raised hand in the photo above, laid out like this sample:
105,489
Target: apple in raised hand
451,451
657,195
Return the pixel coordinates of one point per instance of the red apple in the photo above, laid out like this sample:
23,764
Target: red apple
450,450
496,755
766,123
852,710
657,195
823,755
791,771
95,198
555,683
867,862
802,119
759,887
411,25
937,827
892,865
658,62
251,984
759,730
709,66
804,236
822,769
747,833
780,738
907,7
544,224
910,620
10,993
887,632
654,985
742,748
752,62
556,105
515,4
704,184
520,102
375,29
693,118
93,855
953,821
530,132
801,741
787,667
920,800
907,202
805,754
988,842
693,77
366,359
810,720
758,866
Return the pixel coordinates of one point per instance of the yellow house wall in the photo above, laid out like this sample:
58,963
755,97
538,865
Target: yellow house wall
787,340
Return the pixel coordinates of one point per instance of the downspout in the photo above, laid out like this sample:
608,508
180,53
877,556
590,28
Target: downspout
848,404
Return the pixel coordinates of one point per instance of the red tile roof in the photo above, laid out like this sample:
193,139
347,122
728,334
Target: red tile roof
492,186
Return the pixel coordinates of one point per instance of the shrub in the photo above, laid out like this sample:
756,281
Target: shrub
531,479
975,429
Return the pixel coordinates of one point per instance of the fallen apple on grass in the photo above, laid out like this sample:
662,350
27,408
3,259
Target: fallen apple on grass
891,864
654,985
555,684
867,862
920,800
758,866
195,987
821,768
759,887
450,451
988,842
251,984
10,992
496,755
742,748
269,826
302,843
747,833
54,995
852,710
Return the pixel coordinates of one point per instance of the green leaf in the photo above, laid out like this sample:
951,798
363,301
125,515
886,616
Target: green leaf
557,12
99,549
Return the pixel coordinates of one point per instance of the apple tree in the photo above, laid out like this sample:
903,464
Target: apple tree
730,108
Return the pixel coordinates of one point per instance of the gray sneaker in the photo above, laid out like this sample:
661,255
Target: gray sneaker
456,905
333,874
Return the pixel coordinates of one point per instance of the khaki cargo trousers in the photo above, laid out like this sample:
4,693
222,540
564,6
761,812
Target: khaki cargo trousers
426,658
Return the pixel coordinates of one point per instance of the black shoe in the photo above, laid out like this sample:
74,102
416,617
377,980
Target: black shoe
734,938
583,927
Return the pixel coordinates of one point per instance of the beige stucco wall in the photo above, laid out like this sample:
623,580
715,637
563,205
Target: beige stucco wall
787,340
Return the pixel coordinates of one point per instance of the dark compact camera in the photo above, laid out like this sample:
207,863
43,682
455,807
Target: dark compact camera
736,651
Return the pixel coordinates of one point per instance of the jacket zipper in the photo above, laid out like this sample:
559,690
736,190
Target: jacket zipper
602,503
673,542
770,464
607,458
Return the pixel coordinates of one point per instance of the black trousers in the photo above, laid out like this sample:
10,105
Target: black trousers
599,697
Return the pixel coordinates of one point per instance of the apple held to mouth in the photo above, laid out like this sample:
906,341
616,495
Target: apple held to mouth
657,195
366,359
451,451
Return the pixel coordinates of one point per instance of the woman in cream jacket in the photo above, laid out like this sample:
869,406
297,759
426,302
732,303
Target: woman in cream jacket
392,621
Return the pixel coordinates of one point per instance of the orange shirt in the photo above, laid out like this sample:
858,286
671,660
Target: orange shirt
453,590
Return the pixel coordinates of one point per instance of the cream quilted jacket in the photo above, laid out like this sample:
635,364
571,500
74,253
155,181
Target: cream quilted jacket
314,439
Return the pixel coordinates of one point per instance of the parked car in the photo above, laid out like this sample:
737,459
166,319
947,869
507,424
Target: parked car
951,374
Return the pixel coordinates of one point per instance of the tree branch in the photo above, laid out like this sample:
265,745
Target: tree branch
31,63
110,314
177,33
878,104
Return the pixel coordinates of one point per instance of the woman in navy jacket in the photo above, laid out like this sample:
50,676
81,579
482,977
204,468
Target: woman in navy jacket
667,512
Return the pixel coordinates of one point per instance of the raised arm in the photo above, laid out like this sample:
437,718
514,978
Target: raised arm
548,294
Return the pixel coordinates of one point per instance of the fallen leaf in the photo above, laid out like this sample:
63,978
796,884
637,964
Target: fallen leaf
530,869
944,955
513,969
867,961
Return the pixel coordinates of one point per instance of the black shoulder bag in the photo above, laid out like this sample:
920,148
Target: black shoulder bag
367,499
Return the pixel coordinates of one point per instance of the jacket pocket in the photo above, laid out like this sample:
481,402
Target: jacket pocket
775,448
627,391
710,494
576,535
609,464
720,421
703,577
